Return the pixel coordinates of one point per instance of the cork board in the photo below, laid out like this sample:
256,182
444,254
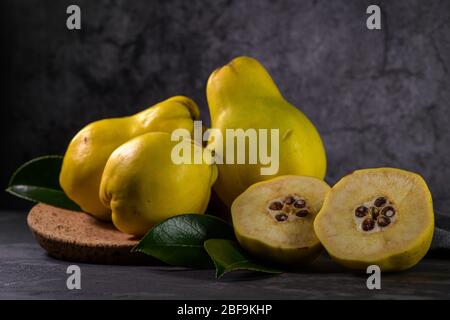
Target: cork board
77,236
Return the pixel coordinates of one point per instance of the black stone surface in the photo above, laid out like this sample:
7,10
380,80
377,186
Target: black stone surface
379,98
26,272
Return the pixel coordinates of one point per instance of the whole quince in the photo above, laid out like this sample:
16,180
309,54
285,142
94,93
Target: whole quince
143,185
242,95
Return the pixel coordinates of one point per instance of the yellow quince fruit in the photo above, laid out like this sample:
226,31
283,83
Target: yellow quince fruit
144,185
242,95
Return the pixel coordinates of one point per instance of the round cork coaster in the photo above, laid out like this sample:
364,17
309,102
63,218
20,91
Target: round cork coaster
76,236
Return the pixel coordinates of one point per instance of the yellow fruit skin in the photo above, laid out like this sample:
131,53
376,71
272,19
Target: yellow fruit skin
91,147
394,263
282,256
243,95
142,186
404,260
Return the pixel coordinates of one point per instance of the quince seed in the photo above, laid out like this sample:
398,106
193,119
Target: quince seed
302,213
388,212
281,217
379,202
383,221
300,203
361,211
368,224
277,205
289,200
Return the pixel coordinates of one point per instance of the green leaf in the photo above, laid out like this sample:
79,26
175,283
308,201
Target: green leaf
228,256
38,181
179,240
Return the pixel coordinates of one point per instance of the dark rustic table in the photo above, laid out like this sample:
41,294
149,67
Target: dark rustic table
26,272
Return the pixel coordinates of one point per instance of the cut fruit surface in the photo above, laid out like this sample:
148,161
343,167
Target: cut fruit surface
377,216
274,219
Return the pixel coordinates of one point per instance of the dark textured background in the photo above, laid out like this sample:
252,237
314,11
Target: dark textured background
379,98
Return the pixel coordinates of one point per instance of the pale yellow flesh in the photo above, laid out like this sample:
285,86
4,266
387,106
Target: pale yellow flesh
396,247
91,147
260,234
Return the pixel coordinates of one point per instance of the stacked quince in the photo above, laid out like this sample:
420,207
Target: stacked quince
120,169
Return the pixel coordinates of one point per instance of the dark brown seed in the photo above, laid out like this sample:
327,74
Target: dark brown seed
281,217
374,212
379,202
277,205
388,212
368,224
383,221
302,213
289,200
361,211
300,203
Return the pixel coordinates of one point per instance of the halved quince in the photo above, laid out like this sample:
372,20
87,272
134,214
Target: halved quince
378,217
274,219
